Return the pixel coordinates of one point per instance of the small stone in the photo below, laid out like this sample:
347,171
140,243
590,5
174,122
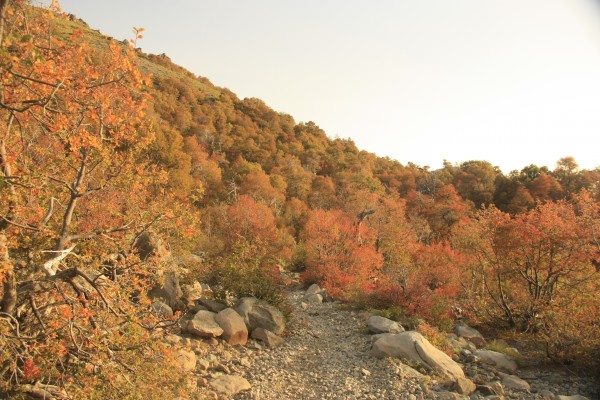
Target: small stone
186,359
464,386
365,372
314,299
268,337
203,365
230,384
499,360
516,383
162,310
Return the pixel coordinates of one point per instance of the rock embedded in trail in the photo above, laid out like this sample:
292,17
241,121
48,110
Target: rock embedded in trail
515,383
230,384
414,347
377,324
499,360
314,299
234,328
267,337
260,314
186,359
204,325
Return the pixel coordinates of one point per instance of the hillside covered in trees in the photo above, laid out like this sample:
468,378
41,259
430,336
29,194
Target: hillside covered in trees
101,143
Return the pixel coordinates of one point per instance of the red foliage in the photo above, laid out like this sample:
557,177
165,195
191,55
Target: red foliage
335,257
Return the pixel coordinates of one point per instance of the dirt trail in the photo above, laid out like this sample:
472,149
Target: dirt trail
326,356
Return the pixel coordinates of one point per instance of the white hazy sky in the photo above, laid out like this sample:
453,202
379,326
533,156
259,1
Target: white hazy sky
513,82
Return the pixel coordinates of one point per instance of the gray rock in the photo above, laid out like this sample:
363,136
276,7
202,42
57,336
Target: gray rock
314,299
499,360
447,396
377,324
162,310
464,386
229,384
413,346
234,328
574,397
203,324
471,334
312,289
211,305
268,337
515,383
149,244
169,291
260,314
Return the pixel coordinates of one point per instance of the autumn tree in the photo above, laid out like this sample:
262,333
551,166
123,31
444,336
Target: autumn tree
534,269
336,258
71,193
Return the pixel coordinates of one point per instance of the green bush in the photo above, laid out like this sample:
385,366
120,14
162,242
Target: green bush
241,273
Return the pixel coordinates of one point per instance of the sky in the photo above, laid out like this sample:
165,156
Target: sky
512,82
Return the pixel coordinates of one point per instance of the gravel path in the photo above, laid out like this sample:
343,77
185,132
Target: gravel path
326,356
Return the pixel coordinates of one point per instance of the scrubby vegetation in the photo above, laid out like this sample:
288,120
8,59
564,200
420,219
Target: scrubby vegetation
94,152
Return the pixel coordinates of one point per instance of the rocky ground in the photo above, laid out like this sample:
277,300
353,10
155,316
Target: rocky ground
327,355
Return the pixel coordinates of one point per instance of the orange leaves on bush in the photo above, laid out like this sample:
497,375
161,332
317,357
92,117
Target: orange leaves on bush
334,255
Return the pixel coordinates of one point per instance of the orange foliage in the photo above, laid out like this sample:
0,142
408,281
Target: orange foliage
334,256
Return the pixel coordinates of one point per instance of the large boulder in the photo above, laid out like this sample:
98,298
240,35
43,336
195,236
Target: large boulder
230,384
234,328
377,324
471,334
260,314
204,324
414,347
499,360
268,337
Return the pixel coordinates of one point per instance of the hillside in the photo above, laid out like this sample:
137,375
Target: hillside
125,178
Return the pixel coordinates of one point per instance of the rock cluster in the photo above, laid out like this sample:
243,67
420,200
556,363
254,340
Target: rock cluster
327,354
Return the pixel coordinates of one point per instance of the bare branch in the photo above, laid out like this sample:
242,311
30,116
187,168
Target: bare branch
50,267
